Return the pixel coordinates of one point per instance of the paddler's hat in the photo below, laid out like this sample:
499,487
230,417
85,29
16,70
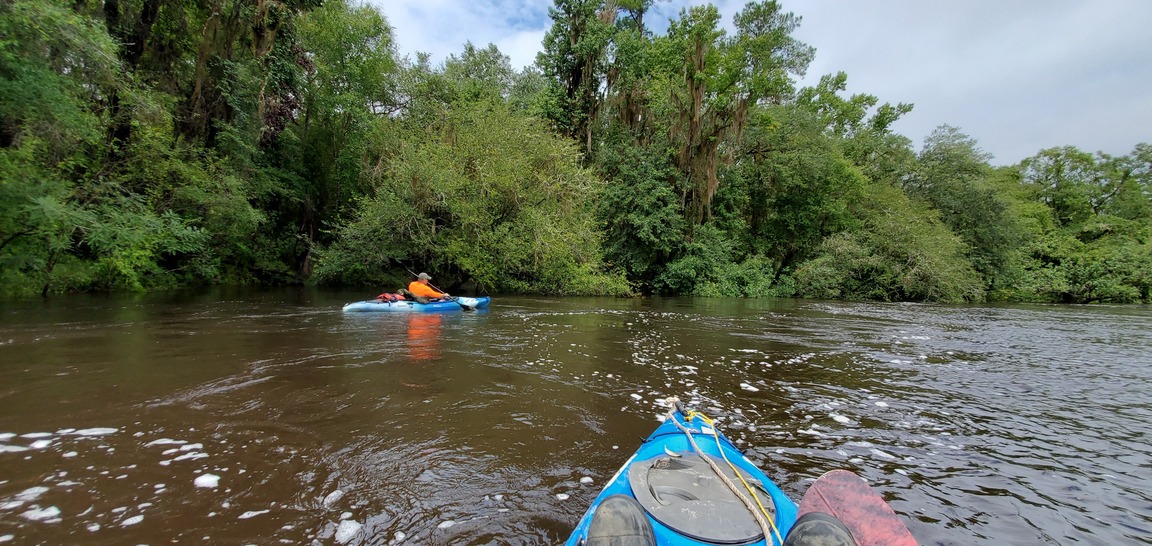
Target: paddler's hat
424,277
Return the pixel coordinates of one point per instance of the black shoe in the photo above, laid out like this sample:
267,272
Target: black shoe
819,529
620,521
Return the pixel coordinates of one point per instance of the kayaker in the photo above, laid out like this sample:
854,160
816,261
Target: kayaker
422,289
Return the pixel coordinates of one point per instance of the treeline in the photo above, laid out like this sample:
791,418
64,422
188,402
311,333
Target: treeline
160,143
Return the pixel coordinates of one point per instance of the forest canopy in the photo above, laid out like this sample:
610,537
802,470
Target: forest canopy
149,144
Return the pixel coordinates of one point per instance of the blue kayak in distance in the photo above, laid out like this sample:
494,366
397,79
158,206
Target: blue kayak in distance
673,487
405,306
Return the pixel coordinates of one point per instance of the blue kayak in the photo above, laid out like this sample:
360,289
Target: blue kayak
674,487
403,306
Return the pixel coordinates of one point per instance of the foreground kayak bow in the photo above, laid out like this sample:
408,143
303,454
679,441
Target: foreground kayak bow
687,484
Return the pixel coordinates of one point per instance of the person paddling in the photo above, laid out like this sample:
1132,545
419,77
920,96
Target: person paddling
421,288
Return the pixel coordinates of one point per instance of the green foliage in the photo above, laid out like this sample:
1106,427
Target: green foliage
953,176
866,141
755,277
148,144
800,186
573,60
51,59
486,195
700,263
904,253
1100,263
130,241
1093,242
640,212
712,81
479,73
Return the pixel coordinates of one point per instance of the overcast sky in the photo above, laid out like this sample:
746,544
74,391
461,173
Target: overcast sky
1017,75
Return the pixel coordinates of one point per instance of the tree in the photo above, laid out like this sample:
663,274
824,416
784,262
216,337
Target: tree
485,195
953,176
480,73
713,81
1095,246
904,253
800,187
864,129
350,82
573,59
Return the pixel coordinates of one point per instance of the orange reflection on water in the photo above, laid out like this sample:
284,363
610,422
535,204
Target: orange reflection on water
424,336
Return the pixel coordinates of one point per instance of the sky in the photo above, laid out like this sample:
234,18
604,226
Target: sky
1018,76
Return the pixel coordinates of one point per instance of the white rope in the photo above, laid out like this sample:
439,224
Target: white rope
765,527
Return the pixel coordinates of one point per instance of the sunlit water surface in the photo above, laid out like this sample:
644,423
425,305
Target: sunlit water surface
272,417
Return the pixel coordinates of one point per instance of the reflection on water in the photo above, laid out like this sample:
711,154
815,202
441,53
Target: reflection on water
424,336
271,417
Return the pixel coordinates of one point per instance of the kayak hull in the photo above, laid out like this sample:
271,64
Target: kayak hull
668,439
377,306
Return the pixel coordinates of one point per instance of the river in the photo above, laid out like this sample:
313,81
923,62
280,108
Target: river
270,417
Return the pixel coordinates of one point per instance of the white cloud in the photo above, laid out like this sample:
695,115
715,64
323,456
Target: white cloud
442,27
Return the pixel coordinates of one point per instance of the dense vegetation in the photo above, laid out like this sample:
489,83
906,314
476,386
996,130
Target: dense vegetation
157,143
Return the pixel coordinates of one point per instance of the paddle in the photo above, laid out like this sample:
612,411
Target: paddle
452,299
463,306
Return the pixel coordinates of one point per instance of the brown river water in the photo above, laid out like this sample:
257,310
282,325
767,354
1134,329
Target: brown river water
271,417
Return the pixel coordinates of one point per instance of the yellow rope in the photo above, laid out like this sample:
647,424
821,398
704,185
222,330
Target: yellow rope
689,415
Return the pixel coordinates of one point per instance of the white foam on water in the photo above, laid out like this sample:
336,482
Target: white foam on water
562,496
132,521
164,441
881,404
7,436
252,513
93,527
748,387
70,454
810,432
443,524
99,431
637,396
12,449
882,454
398,536
347,530
7,538
47,515
190,447
31,494
207,480
586,480
332,498
32,435
193,455
841,419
